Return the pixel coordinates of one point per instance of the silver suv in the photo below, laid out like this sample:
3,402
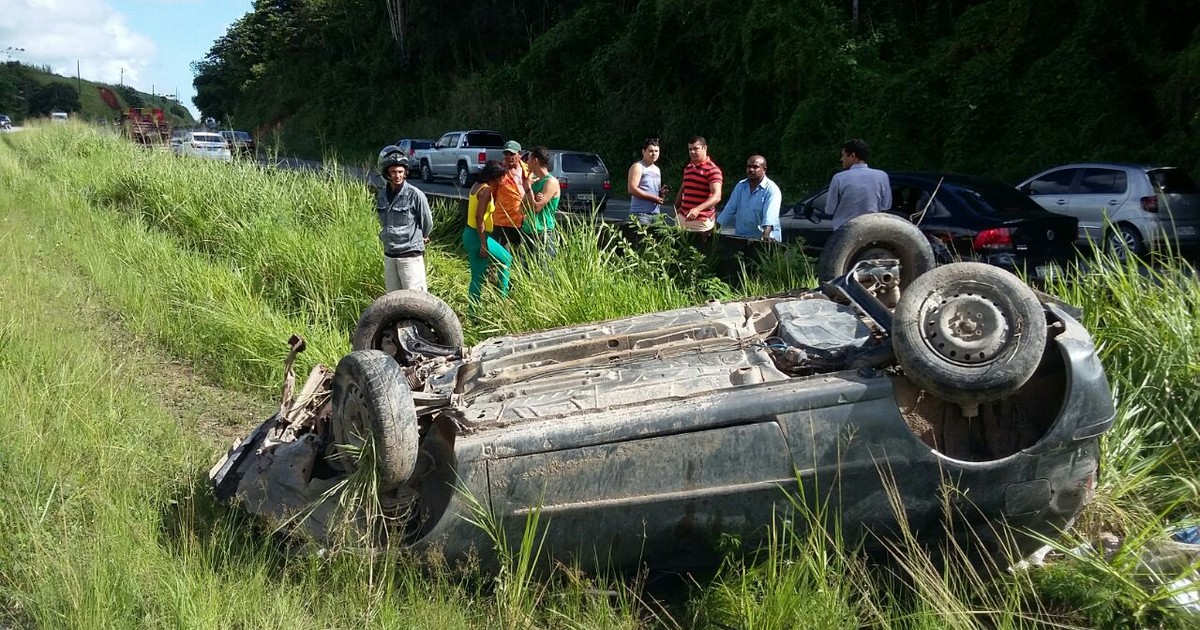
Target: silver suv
1130,208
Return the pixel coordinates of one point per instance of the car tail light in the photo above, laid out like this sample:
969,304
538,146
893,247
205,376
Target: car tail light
1150,204
562,183
411,151
482,157
994,238
607,185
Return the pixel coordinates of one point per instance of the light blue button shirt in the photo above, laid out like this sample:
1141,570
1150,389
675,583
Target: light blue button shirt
750,211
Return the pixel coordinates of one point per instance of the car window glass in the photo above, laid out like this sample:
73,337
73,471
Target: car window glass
445,141
818,202
421,144
1173,181
206,137
1055,183
993,200
582,163
484,139
1103,181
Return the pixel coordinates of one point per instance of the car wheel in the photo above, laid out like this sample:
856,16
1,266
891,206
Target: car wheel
876,235
426,173
969,332
373,419
464,176
422,313
1123,240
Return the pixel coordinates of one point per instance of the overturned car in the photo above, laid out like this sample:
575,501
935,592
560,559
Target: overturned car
951,398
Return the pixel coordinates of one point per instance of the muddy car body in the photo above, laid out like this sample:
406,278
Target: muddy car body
645,440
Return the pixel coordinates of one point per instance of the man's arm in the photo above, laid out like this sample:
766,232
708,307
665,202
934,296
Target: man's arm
834,198
770,215
426,218
714,198
885,199
729,215
551,189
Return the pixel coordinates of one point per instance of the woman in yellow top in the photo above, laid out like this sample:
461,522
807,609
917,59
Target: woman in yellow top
482,249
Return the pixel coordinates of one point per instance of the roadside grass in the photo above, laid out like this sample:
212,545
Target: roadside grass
107,523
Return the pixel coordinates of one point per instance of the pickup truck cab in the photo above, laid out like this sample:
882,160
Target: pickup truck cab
459,155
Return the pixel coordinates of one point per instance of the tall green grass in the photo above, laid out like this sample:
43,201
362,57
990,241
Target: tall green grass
106,523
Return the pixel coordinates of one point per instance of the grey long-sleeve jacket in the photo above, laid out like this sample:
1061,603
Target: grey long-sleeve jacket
404,222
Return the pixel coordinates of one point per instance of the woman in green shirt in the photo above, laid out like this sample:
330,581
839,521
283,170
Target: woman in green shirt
539,221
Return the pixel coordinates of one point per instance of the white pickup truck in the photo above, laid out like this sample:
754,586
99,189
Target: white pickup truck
459,155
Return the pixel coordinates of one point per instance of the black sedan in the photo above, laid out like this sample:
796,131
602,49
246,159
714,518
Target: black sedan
964,217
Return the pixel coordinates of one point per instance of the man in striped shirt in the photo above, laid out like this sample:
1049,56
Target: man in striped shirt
696,205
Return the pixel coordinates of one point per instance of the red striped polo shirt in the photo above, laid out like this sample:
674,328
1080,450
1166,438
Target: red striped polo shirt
695,189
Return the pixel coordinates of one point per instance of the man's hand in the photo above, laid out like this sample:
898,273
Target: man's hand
483,252
692,214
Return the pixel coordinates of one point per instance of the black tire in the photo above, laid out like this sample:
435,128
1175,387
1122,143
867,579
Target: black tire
432,320
426,172
969,332
464,176
876,235
1122,240
371,399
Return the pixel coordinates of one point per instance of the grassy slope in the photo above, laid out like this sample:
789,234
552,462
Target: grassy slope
106,523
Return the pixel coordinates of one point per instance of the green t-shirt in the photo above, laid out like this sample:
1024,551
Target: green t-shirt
542,221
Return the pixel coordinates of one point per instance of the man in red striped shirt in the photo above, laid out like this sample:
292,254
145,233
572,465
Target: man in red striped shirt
696,205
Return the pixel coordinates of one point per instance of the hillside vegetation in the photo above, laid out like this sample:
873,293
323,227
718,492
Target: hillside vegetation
30,92
996,87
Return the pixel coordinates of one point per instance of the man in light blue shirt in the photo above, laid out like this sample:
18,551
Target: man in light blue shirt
753,207
859,189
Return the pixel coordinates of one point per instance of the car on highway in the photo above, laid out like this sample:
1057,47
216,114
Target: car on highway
1129,208
965,218
240,142
458,155
407,147
583,179
204,144
971,409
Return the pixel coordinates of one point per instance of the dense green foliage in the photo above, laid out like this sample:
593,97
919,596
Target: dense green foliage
995,87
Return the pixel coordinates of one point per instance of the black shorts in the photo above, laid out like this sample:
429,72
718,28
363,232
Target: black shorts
509,237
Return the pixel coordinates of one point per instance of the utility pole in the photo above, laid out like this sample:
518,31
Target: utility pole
79,84
122,77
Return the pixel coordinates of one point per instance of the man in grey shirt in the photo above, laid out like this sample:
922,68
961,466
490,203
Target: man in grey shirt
859,189
405,223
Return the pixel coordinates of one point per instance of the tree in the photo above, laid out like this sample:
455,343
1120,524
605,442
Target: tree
53,97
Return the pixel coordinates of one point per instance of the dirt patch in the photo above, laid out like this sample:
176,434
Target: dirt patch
215,414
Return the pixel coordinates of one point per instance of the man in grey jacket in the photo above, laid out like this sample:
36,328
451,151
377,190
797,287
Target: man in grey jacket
405,224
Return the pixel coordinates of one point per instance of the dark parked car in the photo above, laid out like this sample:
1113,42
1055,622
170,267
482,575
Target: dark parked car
965,217
240,142
642,440
406,147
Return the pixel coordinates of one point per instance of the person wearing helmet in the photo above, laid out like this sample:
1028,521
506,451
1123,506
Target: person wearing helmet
405,223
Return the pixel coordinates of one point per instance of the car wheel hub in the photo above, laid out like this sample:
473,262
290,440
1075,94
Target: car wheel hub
348,433
965,328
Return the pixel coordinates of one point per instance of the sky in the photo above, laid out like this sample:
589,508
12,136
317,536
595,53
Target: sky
148,44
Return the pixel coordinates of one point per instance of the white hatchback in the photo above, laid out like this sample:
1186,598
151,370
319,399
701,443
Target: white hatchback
202,144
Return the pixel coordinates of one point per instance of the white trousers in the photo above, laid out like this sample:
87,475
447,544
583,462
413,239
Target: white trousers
404,273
